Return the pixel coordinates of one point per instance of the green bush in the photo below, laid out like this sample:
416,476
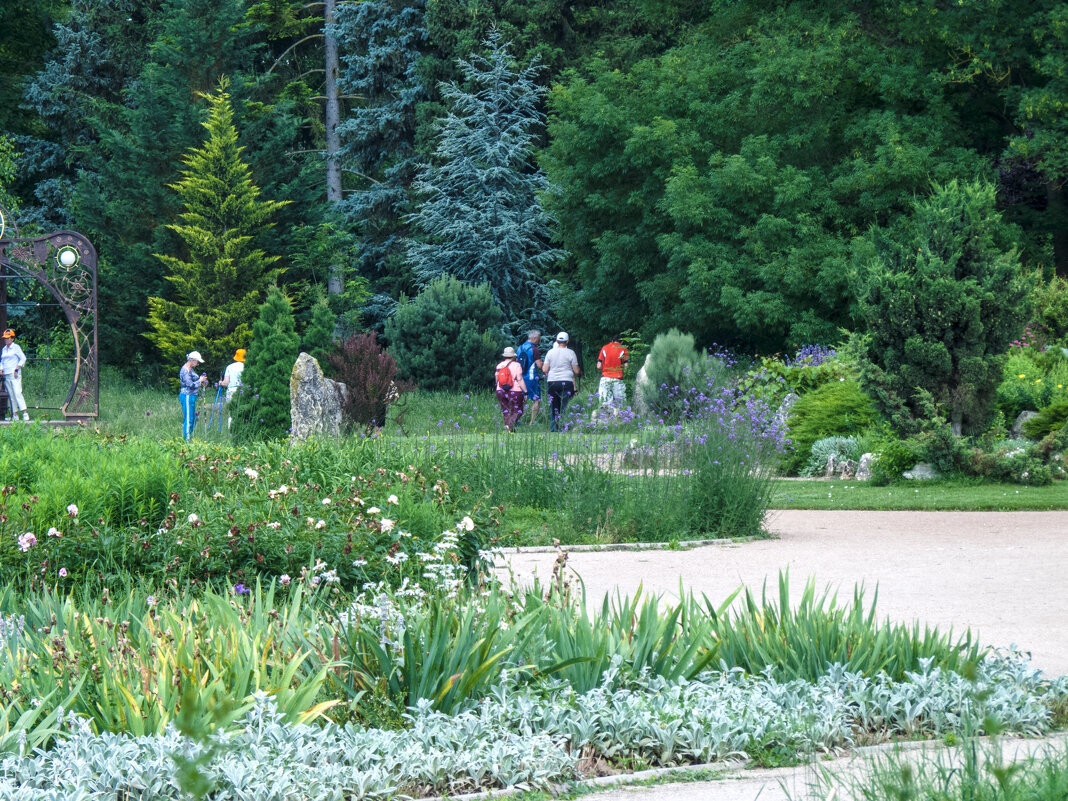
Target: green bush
823,449
1050,419
1051,307
892,459
772,378
839,408
1032,380
447,336
677,370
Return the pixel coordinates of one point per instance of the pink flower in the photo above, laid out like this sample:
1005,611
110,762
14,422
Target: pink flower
72,510
63,572
284,579
27,541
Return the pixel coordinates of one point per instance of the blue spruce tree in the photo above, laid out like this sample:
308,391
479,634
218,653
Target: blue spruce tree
481,219
379,43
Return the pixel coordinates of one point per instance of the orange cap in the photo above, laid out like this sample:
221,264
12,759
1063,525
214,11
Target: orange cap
9,333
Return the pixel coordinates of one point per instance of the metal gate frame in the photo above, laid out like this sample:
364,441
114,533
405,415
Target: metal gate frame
65,264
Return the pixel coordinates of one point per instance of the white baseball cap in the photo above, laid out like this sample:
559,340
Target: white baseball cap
562,336
194,356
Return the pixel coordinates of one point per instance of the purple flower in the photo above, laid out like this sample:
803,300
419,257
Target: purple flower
241,589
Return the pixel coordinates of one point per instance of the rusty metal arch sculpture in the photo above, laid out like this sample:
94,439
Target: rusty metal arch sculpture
64,263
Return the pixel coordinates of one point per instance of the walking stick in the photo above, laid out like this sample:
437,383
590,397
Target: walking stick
216,408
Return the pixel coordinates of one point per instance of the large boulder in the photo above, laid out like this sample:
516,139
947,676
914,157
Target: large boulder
1017,431
864,467
922,472
315,400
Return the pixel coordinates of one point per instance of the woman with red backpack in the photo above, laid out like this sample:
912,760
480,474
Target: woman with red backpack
511,390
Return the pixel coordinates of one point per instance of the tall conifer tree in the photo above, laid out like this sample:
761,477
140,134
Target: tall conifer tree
220,280
262,409
380,43
482,220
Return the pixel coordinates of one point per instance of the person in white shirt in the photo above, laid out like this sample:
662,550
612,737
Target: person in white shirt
12,360
231,379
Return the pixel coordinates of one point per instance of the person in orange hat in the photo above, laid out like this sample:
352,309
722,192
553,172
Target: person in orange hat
12,360
231,379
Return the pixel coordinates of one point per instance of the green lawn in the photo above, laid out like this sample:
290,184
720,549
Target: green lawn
923,495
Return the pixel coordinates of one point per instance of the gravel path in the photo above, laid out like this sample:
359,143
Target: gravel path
1002,574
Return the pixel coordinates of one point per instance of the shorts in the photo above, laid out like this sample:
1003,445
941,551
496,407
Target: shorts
533,388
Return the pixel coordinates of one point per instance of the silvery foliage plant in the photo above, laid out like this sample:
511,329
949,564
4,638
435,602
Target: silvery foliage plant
531,736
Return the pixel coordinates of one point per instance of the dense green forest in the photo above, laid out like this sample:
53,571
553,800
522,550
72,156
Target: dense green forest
724,166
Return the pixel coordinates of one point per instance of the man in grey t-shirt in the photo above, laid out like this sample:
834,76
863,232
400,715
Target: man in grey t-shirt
561,366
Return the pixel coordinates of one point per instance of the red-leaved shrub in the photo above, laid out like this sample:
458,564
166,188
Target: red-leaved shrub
369,372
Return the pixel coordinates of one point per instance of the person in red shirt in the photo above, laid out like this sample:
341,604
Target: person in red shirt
611,361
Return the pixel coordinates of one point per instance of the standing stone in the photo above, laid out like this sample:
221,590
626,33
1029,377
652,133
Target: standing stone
864,467
315,401
1017,428
643,389
783,414
832,465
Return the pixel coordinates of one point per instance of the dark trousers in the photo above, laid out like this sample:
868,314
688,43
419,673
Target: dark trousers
511,404
560,393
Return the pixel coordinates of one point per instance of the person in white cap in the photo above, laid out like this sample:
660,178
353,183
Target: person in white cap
561,366
187,395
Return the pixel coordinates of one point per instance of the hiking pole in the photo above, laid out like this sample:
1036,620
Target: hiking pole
216,407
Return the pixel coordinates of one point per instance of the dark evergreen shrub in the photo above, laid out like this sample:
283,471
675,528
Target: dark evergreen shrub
447,336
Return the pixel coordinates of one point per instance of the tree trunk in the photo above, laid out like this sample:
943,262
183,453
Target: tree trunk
335,282
1057,210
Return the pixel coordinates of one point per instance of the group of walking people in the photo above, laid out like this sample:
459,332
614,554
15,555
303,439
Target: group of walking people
191,383
518,378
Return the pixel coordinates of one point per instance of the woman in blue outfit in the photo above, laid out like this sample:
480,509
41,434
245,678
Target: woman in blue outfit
187,395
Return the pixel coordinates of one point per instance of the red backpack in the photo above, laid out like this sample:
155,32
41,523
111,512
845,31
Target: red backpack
504,377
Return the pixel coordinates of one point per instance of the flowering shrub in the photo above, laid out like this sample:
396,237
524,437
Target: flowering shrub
1032,381
772,378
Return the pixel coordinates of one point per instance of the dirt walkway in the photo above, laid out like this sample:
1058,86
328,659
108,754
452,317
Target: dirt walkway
1002,574
809,783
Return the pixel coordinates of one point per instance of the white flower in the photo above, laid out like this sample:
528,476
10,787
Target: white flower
326,501
311,521
54,532
218,496
193,517
284,579
274,524
320,524
359,562
252,474
387,524
27,541
72,510
150,601
392,500
374,510
467,524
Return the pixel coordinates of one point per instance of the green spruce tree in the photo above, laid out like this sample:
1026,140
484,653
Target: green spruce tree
319,335
220,279
262,408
